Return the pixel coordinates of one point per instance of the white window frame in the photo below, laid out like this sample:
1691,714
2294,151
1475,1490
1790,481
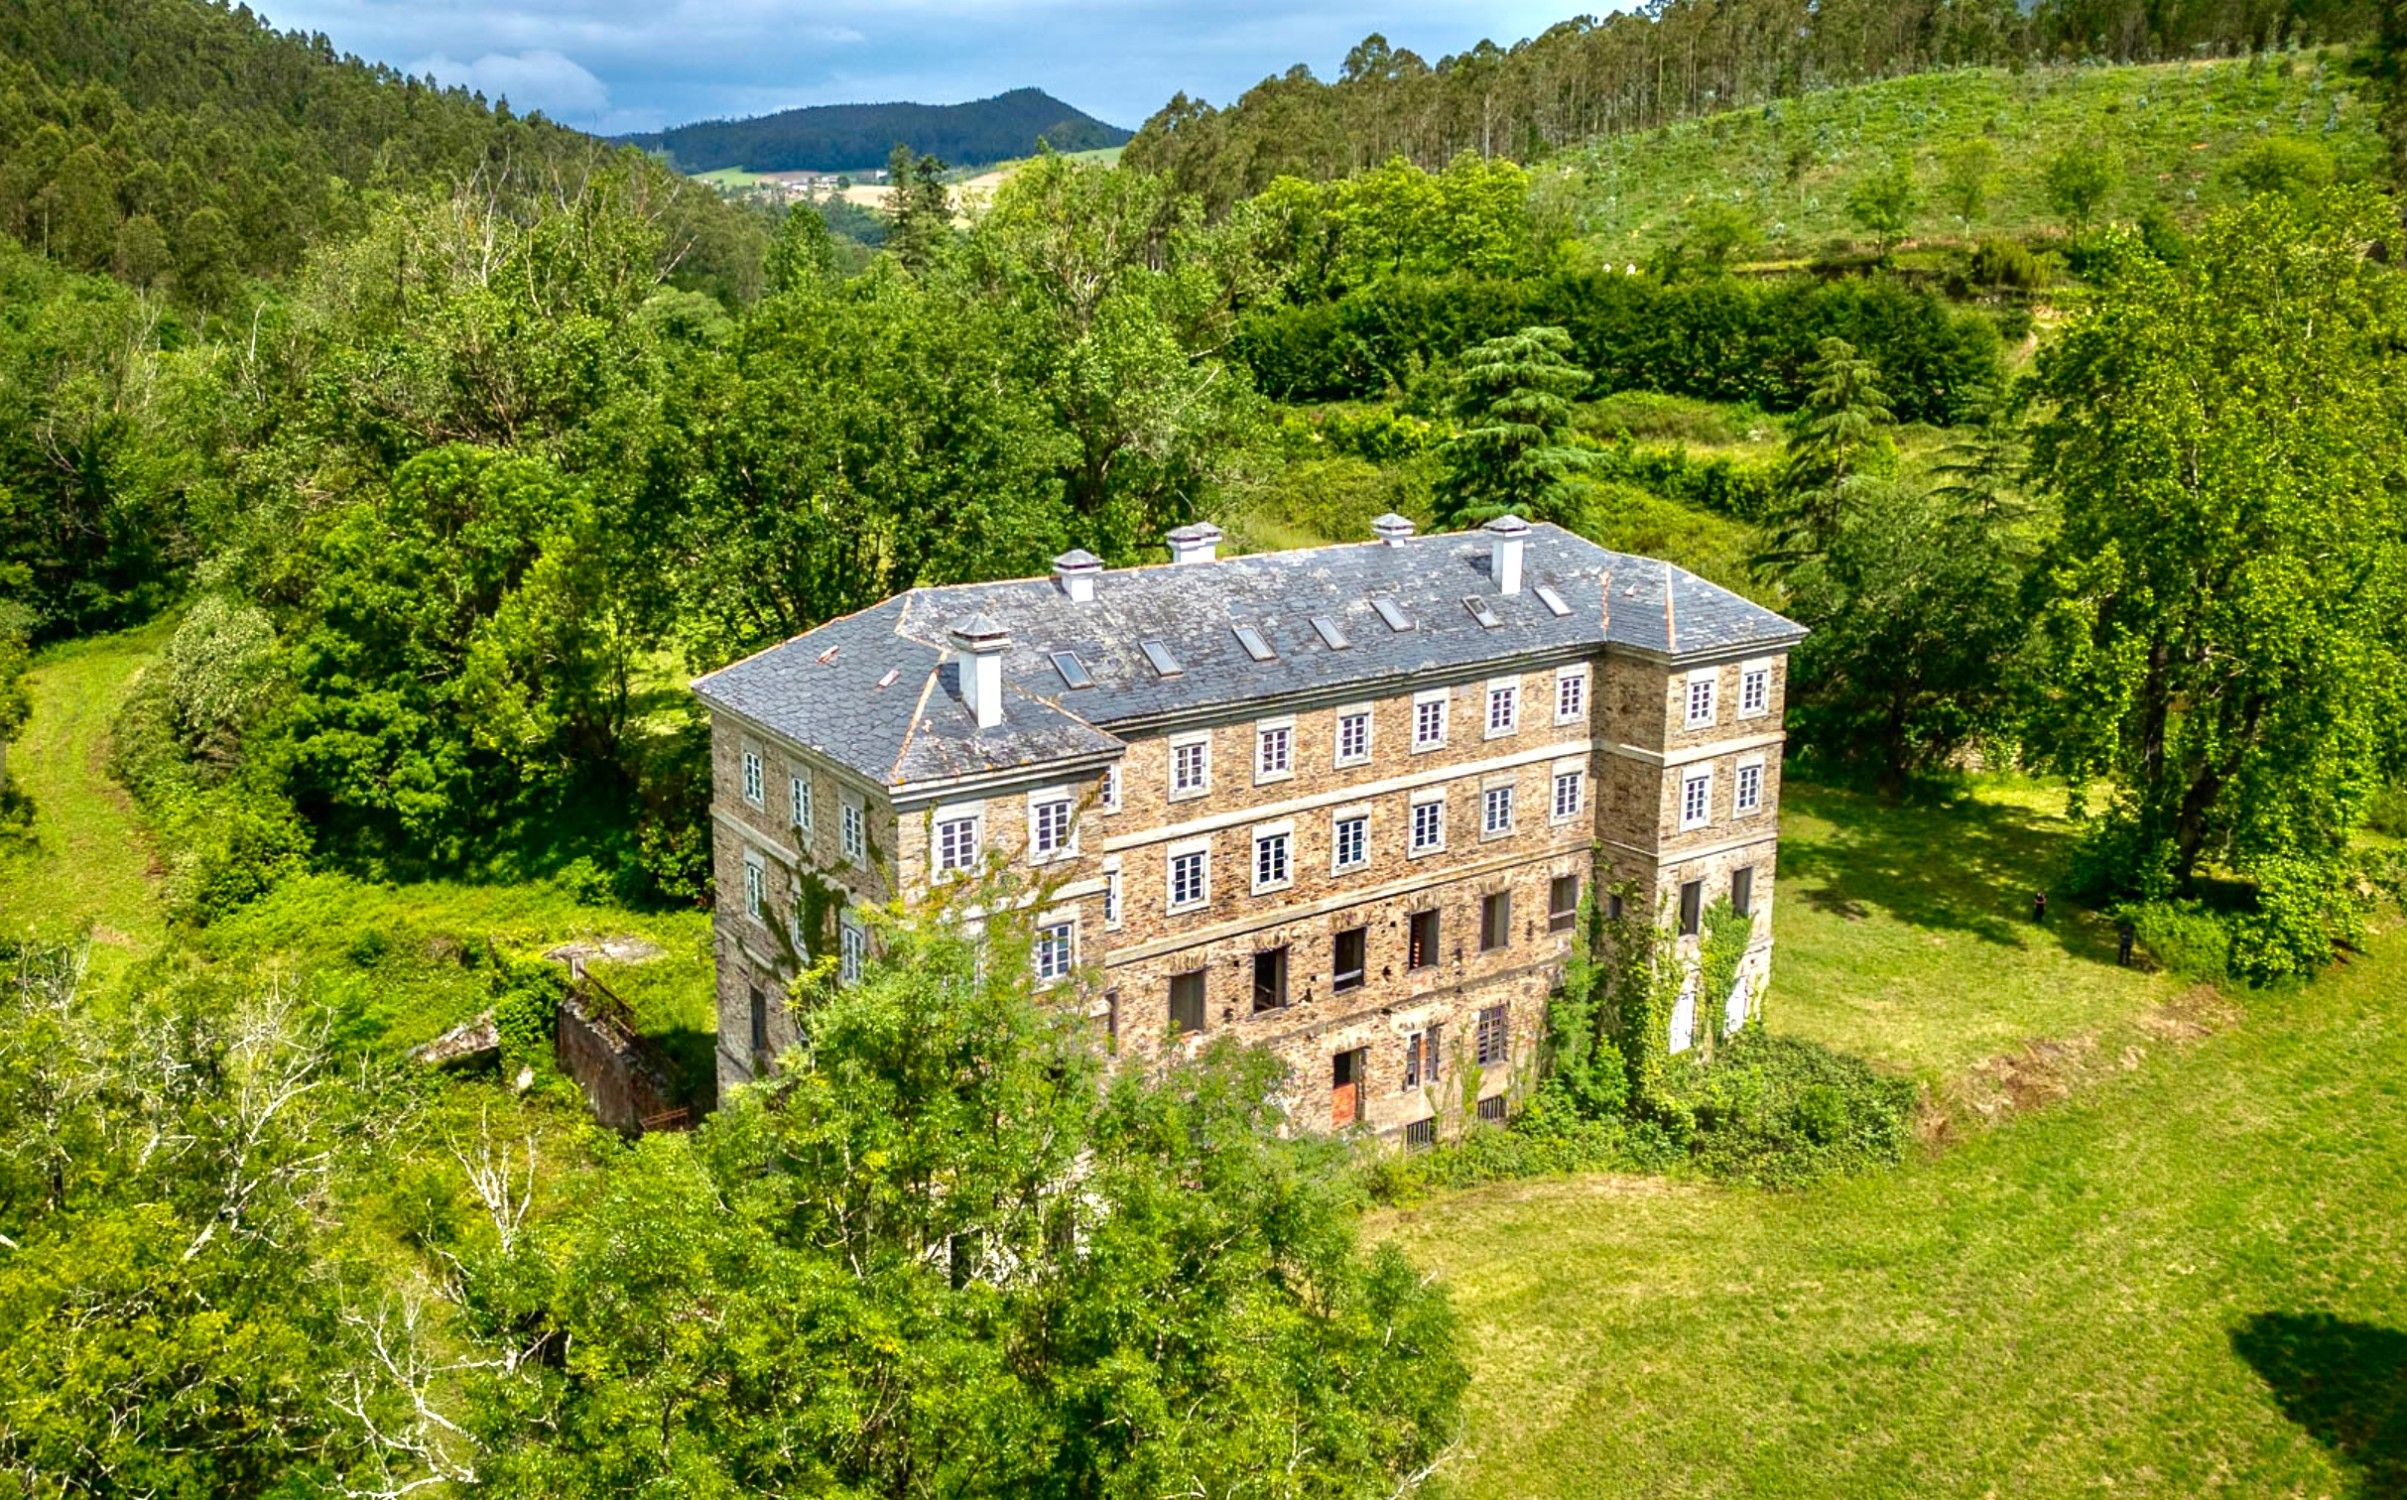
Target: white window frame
1115,907
798,802
1741,804
972,813
1754,674
1571,682
1283,833
1413,847
1696,776
1338,818
1442,697
756,887
1352,711
1578,776
1041,805
1202,743
1199,850
1109,798
1506,690
853,815
1489,828
1710,679
756,779
1065,923
852,947
1280,732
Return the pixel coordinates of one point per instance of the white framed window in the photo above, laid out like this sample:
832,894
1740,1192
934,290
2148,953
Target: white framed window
1570,792
1754,689
1349,841
1429,719
798,802
1495,811
1274,857
1190,766
855,830
1428,824
1052,825
1056,950
1353,736
852,949
1274,750
1504,708
1700,696
1111,895
1110,798
956,841
754,792
1190,880
1571,694
1746,788
1696,797
756,887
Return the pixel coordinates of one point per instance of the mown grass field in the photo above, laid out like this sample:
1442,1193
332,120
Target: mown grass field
2174,1265
2174,127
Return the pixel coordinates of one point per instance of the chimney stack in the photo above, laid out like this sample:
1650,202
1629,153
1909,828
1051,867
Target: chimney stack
1393,529
1199,543
1505,536
982,643
1075,571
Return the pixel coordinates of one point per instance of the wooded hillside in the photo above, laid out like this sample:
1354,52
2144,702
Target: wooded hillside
857,137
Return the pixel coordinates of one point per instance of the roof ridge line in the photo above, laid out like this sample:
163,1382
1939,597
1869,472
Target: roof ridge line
911,730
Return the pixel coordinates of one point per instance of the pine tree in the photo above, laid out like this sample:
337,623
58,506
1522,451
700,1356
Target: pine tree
1512,452
1837,437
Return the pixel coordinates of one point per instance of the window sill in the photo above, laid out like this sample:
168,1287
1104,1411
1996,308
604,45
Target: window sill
1353,762
1274,887
1424,749
1425,853
1267,778
1491,835
1354,868
1191,793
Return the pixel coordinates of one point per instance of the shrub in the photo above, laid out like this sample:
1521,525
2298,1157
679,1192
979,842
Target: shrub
2300,913
1781,1111
2386,812
2008,264
233,851
2182,936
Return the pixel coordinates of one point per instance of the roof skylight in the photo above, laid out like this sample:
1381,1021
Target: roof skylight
1488,619
1073,671
1396,618
1330,634
1164,664
1255,646
1552,600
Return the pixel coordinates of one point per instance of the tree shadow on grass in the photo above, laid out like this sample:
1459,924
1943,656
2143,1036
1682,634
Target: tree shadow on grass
1960,865
2344,1383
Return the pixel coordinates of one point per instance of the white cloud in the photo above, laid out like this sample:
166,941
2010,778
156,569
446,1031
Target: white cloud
538,78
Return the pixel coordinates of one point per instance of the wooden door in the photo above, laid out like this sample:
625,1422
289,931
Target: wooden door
1345,1089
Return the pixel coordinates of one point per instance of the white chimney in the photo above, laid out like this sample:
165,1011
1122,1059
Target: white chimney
1075,571
982,643
1505,536
1393,529
1199,543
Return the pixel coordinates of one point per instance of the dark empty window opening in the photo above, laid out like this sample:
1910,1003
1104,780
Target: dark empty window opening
1270,979
1073,671
1187,1002
1495,920
1346,966
1422,949
1420,1135
1613,907
1491,1109
1742,891
1255,646
1692,907
1562,903
1111,1021
760,1019
1492,1039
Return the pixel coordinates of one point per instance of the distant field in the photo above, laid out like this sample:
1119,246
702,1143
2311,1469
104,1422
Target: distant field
2175,128
973,185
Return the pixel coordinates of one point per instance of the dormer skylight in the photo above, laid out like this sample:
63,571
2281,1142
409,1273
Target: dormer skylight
1255,646
1164,664
1488,619
1552,600
1073,671
1397,620
1331,636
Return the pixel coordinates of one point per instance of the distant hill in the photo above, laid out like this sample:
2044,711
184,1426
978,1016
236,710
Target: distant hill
858,137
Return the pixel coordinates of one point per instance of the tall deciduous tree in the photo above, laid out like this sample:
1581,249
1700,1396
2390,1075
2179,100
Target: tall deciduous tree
1512,452
2227,591
1883,203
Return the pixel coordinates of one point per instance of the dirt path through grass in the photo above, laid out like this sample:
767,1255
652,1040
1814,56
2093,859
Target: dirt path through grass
92,862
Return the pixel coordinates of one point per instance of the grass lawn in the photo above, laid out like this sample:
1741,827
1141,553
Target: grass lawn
2172,127
91,861
2187,1278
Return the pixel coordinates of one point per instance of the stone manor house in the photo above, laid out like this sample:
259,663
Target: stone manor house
1343,802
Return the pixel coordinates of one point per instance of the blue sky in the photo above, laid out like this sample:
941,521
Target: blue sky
620,65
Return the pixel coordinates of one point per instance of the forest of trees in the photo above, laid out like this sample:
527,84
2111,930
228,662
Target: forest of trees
857,137
1665,61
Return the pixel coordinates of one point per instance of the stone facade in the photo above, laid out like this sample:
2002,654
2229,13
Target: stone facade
1370,894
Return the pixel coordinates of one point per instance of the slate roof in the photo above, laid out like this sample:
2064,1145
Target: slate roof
822,689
